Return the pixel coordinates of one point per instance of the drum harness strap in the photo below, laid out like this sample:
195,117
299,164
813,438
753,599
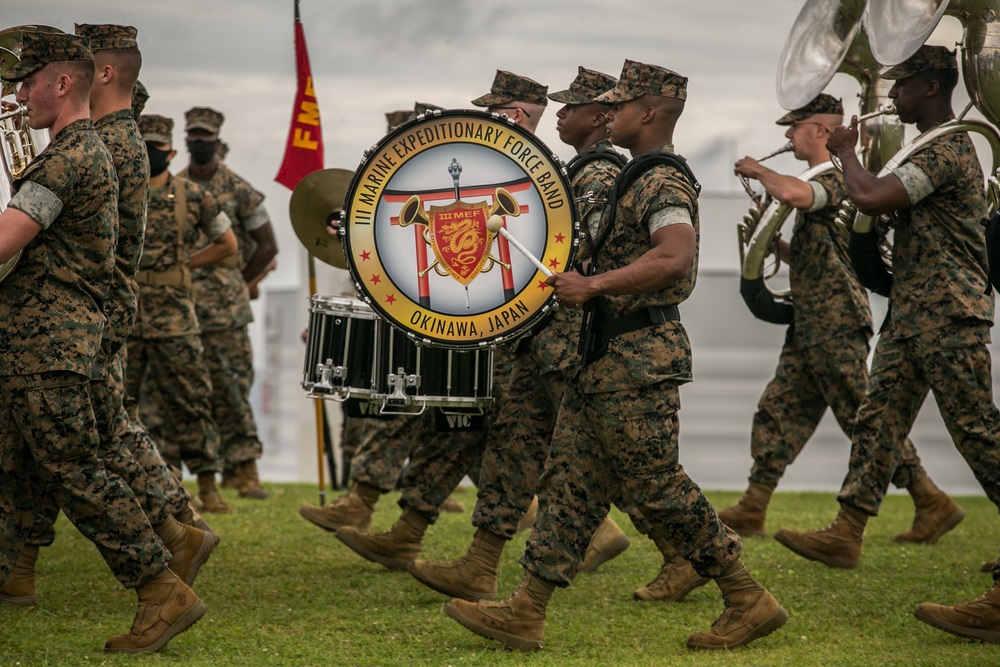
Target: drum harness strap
178,275
599,324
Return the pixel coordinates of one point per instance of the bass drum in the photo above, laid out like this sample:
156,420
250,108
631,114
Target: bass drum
415,228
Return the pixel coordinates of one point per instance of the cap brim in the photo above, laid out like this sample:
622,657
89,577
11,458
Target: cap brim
894,73
157,138
21,70
491,100
569,97
198,125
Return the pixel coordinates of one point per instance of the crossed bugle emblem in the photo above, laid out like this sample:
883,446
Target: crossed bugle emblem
458,233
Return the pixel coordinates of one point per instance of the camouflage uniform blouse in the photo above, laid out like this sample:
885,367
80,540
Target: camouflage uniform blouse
826,295
220,293
121,135
939,252
168,310
556,344
661,352
51,305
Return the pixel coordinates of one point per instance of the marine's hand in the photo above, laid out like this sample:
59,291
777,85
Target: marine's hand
571,288
843,139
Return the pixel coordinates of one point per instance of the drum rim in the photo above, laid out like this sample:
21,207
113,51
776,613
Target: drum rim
530,321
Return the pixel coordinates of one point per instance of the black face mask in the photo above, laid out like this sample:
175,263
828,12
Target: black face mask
158,160
201,151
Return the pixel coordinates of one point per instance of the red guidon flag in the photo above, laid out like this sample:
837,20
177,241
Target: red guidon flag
304,148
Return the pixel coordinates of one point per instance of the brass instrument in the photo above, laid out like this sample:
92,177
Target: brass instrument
19,144
825,39
897,29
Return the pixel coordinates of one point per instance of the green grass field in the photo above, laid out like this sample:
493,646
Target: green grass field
282,592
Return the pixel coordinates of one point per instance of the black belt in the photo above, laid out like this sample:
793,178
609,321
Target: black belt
637,319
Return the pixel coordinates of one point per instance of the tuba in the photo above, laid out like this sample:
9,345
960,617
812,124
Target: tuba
898,28
825,39
19,144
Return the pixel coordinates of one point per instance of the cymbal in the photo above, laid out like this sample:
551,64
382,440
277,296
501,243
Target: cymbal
317,196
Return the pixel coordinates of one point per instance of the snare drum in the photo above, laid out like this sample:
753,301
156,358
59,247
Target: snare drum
340,348
411,375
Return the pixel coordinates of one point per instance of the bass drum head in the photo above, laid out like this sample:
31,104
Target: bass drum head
416,238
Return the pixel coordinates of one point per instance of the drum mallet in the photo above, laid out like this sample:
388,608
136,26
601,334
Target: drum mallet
495,226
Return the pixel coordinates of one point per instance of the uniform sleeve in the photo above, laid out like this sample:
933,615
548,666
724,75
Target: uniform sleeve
671,215
38,203
212,221
662,188
820,198
916,183
257,219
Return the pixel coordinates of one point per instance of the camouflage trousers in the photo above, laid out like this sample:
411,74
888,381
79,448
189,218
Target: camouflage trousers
171,373
438,463
229,358
955,364
48,445
518,444
621,445
145,472
833,373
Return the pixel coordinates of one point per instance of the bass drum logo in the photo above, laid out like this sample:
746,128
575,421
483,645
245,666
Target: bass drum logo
417,236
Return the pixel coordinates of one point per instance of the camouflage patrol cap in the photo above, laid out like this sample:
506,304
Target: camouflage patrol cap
509,87
203,118
638,79
139,98
157,129
394,119
823,103
38,49
424,107
587,85
108,36
926,57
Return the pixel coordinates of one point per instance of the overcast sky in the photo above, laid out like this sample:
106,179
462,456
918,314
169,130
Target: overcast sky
372,56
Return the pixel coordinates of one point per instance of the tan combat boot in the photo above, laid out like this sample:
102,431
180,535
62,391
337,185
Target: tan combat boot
607,542
189,547
471,577
20,586
355,509
750,613
452,506
517,622
528,520
747,516
190,516
167,607
208,492
935,515
395,548
838,545
248,481
978,619
988,566
229,479
675,579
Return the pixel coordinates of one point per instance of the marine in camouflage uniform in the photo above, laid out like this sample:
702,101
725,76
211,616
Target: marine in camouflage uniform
64,216
164,347
936,334
159,493
543,364
616,435
824,361
223,301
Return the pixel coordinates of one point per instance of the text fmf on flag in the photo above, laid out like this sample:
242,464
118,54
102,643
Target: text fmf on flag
304,147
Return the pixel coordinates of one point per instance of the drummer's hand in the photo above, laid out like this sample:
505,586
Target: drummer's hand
571,288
